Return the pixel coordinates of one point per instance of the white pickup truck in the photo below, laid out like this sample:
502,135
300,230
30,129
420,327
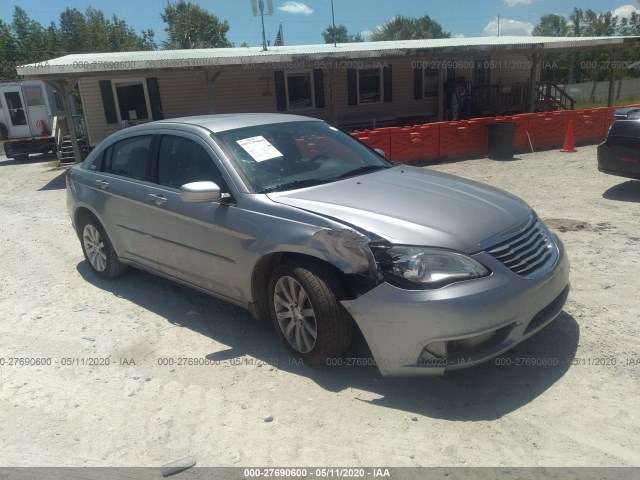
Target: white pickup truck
27,111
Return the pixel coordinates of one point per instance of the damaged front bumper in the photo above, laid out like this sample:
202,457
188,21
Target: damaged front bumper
426,332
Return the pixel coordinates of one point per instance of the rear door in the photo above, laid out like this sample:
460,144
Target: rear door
18,123
126,202
37,112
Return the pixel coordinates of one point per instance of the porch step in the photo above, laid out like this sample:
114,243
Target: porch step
65,149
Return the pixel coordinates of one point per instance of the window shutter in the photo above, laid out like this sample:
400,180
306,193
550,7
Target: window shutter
386,75
417,83
281,94
318,82
352,86
108,103
154,99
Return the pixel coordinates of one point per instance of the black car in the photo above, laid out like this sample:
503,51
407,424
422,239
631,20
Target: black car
620,152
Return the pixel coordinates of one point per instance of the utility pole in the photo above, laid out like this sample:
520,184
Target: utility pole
258,9
333,20
264,37
498,24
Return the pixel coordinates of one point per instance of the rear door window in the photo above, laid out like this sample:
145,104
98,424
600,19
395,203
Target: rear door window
130,158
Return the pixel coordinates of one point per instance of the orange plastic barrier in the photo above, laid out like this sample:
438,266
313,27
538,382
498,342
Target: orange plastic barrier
462,139
415,144
433,141
522,127
548,130
588,126
430,134
378,138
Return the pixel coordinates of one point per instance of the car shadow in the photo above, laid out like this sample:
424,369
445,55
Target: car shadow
484,392
57,183
628,191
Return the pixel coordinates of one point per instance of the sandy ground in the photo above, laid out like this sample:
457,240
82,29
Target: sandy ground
137,411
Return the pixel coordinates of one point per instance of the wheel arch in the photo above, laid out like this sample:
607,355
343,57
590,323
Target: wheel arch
80,213
352,284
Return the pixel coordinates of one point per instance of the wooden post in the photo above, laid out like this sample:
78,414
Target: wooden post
210,76
612,83
532,82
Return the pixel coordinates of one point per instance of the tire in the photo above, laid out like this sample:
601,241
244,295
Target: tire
97,249
305,300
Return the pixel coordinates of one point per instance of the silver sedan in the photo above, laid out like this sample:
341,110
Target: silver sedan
302,224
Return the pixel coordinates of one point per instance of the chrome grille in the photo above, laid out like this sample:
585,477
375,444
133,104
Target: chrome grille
529,252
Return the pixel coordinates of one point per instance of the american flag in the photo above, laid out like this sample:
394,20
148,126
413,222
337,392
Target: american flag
278,41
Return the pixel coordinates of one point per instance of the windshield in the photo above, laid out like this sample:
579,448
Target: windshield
296,154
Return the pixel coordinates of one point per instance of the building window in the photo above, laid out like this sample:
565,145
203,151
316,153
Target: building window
369,85
431,82
299,91
481,75
132,100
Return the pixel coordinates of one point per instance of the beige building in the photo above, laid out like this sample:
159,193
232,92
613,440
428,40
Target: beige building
354,85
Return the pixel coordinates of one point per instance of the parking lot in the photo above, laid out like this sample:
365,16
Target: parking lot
139,371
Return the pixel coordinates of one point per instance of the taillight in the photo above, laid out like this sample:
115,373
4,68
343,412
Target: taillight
68,178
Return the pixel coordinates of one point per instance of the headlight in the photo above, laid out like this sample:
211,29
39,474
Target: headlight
422,267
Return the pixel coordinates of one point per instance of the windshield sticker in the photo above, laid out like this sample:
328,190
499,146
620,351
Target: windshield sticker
259,148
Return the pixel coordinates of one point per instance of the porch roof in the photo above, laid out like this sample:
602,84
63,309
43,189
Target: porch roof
77,65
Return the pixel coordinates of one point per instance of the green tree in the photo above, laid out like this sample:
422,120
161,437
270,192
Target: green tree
406,28
26,41
191,26
31,39
8,52
585,65
92,32
551,25
341,35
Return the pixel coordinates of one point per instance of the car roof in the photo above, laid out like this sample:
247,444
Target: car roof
223,122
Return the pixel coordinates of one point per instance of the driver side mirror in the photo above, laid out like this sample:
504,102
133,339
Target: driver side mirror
200,192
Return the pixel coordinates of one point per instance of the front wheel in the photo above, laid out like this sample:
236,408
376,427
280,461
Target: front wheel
307,314
97,249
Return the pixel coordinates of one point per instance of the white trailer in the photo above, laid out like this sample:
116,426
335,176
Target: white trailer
27,112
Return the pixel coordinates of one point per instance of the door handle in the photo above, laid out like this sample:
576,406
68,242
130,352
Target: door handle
159,200
102,184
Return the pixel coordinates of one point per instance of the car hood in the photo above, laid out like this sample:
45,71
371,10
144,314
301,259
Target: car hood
414,206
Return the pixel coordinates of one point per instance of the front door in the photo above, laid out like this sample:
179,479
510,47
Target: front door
16,114
200,246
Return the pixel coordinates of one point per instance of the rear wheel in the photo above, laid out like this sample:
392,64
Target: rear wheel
97,248
307,314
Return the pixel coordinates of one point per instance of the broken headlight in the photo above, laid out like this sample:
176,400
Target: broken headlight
423,267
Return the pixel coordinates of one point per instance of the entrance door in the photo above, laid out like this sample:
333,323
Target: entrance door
17,116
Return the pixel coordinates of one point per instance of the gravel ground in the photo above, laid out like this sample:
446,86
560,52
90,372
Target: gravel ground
582,410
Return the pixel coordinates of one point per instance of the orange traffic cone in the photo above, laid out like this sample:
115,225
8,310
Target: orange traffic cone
568,139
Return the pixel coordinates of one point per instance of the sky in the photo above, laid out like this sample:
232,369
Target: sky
303,21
